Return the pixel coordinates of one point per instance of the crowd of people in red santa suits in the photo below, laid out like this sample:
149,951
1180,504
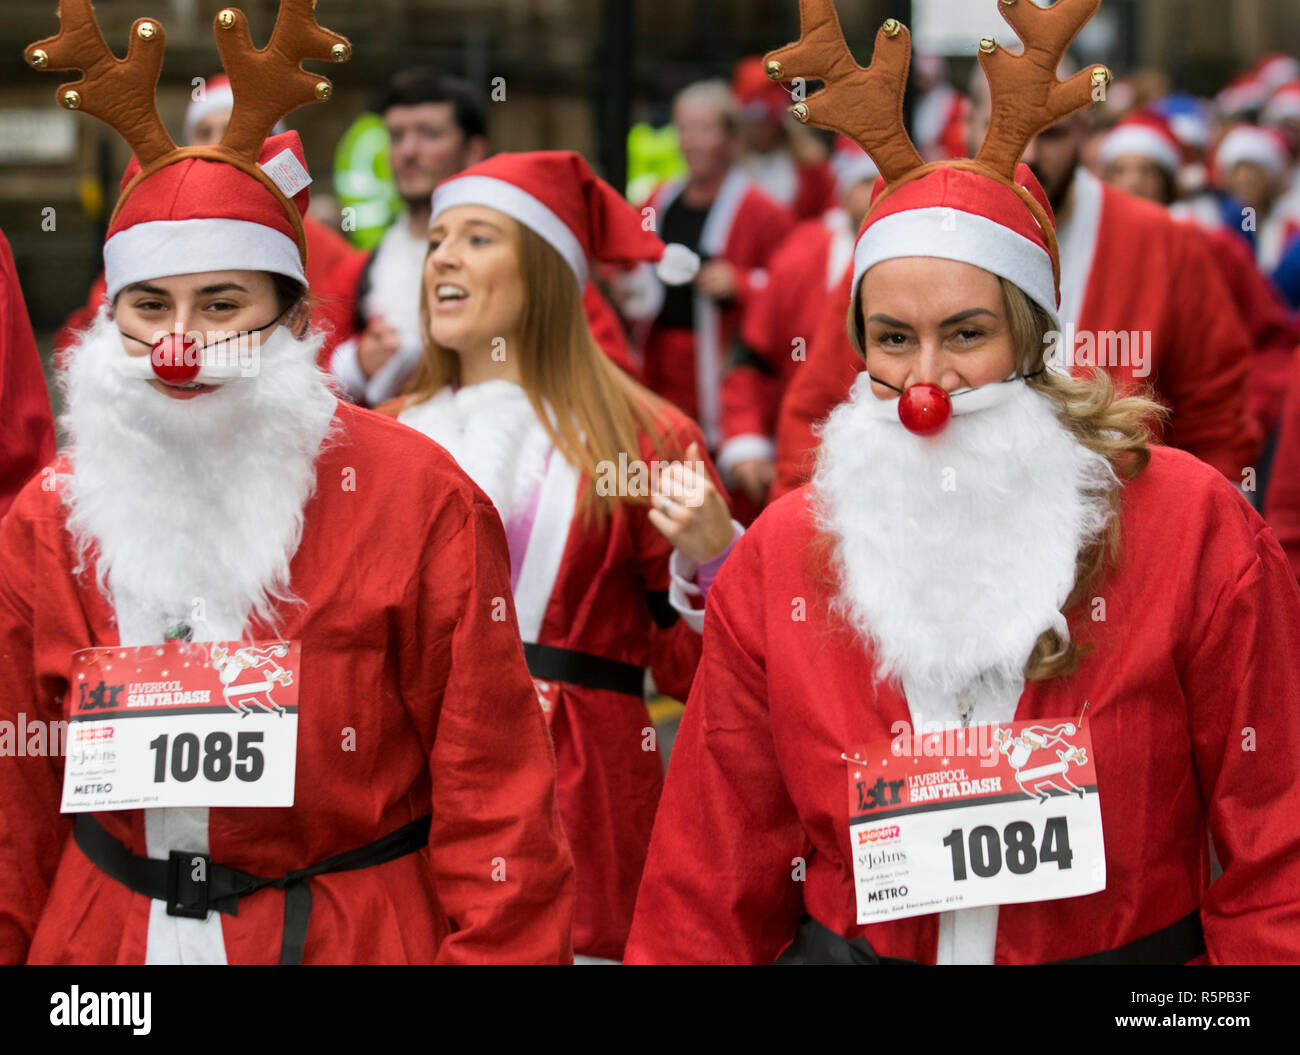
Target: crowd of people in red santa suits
1179,227
753,350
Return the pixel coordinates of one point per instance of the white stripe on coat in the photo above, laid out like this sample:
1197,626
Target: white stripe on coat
546,544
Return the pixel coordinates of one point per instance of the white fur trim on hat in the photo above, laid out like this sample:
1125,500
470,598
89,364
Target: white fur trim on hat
1143,142
1285,104
850,168
678,266
160,248
1256,145
951,234
519,205
214,99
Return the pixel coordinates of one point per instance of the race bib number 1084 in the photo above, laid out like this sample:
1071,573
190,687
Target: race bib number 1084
182,724
1019,820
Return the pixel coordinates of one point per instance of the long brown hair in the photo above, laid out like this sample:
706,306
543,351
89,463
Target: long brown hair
599,410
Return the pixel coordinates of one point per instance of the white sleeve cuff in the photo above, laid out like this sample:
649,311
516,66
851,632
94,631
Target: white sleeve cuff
681,588
344,366
742,449
681,583
389,380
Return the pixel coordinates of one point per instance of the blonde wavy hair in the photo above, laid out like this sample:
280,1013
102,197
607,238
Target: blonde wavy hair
1118,427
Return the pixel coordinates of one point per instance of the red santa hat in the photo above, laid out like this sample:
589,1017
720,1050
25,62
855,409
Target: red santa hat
205,215
183,210
956,213
555,194
216,96
851,164
1275,70
1242,94
1146,135
989,211
1264,147
757,95
1284,105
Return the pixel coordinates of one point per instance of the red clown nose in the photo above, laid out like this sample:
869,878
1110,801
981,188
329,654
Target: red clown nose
924,409
175,359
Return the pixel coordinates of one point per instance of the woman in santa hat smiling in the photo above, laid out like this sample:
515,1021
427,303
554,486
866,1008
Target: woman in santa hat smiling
578,460
978,693
302,725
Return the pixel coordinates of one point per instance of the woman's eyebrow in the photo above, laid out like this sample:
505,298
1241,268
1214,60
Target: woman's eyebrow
887,320
961,316
222,287
969,313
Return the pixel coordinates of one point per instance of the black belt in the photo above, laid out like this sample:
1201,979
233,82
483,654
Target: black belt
582,668
1174,944
172,881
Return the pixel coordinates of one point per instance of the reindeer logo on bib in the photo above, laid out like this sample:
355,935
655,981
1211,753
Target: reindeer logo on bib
250,675
1041,756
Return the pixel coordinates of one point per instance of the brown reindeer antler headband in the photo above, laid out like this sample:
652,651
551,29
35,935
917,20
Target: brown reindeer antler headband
867,104
268,84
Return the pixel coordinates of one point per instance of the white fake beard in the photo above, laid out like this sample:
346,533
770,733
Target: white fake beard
192,509
954,553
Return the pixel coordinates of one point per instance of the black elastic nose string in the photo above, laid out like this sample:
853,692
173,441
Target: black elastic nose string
205,347
1004,381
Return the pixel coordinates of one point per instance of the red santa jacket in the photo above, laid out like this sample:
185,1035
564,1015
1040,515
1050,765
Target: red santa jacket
28,438
333,270
1274,332
816,191
608,598
1283,506
399,643
744,227
1200,350
778,324
1197,652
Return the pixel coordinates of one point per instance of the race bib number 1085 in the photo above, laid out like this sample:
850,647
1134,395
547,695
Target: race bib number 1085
182,724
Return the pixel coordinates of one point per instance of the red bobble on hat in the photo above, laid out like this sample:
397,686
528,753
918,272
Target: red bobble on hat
555,194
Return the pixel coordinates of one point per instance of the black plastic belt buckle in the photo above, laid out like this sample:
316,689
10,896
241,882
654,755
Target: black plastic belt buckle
187,896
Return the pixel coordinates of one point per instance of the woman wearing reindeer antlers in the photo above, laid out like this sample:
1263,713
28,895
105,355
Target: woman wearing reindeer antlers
613,541
980,692
273,631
